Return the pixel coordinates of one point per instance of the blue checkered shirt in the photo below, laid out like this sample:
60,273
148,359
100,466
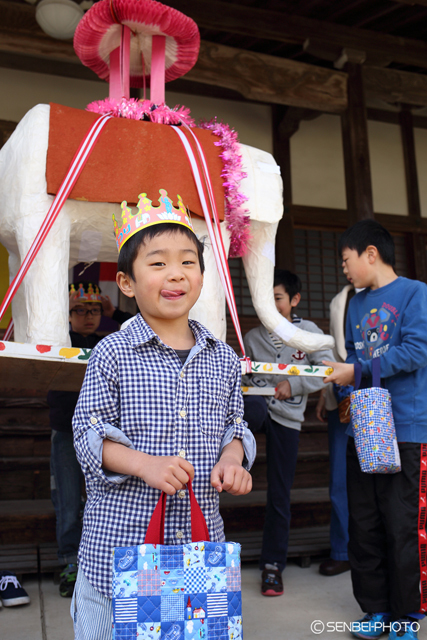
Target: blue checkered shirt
137,392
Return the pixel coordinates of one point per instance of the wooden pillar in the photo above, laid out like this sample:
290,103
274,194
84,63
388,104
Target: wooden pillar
410,162
285,254
418,241
356,149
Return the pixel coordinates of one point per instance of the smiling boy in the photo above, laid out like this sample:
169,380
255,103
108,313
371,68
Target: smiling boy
387,547
161,403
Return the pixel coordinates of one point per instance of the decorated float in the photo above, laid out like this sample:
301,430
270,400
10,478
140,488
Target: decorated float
64,172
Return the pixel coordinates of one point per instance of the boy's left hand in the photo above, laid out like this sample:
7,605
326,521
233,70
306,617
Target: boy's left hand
229,475
343,373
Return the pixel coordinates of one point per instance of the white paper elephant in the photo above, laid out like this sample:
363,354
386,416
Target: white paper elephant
83,231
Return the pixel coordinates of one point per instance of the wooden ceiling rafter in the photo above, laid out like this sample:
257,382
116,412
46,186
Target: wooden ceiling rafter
379,15
399,22
347,9
281,26
423,3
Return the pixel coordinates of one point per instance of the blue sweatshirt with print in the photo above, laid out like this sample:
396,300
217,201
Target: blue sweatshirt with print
391,322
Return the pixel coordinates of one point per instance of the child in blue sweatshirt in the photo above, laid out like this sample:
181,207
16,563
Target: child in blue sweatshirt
387,547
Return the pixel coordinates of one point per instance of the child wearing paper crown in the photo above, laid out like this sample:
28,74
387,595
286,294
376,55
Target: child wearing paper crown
387,526
86,309
161,403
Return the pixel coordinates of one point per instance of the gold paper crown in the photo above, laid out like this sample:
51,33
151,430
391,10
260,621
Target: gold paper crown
87,291
148,215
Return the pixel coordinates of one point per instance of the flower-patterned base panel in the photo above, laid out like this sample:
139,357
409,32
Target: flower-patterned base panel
374,431
182,592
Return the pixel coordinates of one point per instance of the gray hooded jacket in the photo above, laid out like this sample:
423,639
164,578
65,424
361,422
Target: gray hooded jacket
260,347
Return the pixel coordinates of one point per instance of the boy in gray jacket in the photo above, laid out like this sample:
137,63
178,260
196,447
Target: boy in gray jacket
280,417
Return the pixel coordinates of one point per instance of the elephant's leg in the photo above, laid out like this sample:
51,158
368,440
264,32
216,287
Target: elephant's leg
46,285
19,311
209,310
259,268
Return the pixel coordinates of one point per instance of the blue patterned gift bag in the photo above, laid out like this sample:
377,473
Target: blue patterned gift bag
373,424
177,592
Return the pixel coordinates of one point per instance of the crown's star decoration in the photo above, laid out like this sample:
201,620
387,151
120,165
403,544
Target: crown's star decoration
147,215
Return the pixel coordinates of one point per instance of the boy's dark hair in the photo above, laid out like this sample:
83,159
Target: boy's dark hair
129,250
290,282
365,233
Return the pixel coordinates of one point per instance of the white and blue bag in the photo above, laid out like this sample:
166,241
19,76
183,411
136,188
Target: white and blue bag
373,424
177,592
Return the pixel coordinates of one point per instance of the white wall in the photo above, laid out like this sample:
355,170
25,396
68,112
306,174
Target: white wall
317,165
253,122
387,168
24,90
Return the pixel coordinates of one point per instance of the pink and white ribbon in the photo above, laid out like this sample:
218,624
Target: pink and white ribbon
206,193
9,331
75,169
119,67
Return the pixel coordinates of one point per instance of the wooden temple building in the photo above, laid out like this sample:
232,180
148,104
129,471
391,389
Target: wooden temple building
337,91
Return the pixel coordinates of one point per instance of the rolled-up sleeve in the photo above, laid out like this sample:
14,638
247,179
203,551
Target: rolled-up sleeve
97,415
236,426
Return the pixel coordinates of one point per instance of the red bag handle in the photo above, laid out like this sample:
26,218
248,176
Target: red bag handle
156,529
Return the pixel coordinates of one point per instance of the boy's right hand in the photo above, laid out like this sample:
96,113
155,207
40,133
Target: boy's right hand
167,473
73,299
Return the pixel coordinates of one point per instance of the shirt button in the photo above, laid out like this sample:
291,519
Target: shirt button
182,374
182,453
238,420
181,494
179,535
93,421
182,413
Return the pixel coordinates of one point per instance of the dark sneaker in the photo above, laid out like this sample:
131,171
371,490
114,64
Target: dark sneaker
271,582
67,580
371,626
404,629
11,591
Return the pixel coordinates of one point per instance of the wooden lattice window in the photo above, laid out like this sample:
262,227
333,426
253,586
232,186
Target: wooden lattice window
319,267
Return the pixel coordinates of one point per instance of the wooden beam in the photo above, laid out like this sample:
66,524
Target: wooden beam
264,24
270,79
336,219
257,77
391,85
356,150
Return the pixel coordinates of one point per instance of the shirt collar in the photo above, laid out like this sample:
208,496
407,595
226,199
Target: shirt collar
140,332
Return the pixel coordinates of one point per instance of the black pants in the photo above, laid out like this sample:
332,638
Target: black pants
387,527
282,451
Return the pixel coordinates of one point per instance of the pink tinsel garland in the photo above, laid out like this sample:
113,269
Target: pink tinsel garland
236,216
142,110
